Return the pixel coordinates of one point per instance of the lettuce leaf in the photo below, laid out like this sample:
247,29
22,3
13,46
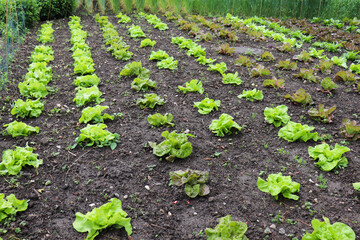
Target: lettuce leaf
278,184
107,215
193,86
207,105
94,114
252,95
325,230
193,180
14,160
175,145
293,131
30,108
96,135
158,119
86,95
227,229
231,78
87,81
135,69
277,115
10,206
168,63
220,67
159,55
16,129
136,31
356,186
329,158
32,89
147,43
139,84
223,125
150,100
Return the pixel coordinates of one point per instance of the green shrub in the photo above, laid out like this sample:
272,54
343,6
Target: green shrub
31,9
54,9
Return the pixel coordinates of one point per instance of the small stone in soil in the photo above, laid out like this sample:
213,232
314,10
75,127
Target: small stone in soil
282,231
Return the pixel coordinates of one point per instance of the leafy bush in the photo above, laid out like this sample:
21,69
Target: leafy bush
10,206
123,18
136,31
252,95
107,215
193,86
325,230
30,108
94,114
300,96
150,100
168,63
87,81
16,129
86,95
277,115
196,51
46,34
278,184
350,129
40,72
329,157
231,78
31,9
135,69
275,83
355,68
96,135
316,53
203,60
293,131
325,115
220,67
223,125
175,145
207,105
147,43
194,181
259,70
160,120
227,229
139,84
14,160
159,55
340,61
54,9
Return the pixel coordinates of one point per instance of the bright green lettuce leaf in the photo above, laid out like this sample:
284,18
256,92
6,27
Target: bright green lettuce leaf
196,51
44,49
158,119
207,105
252,95
328,157
142,84
136,31
30,108
135,69
32,89
300,96
278,184
107,215
10,206
94,114
356,186
46,33
203,60
220,67
86,95
87,81
123,18
97,135
40,72
293,131
227,229
122,54
84,67
355,68
223,125
150,100
193,86
41,57
194,181
325,230
14,160
16,129
168,63
147,43
316,53
175,145
277,115
340,61
328,84
231,78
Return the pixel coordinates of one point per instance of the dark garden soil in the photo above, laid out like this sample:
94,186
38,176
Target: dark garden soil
77,180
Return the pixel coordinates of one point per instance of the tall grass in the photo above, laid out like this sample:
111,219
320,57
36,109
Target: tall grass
266,8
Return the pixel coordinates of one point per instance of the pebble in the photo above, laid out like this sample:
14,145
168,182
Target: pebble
147,187
116,195
282,231
126,196
195,213
273,226
92,205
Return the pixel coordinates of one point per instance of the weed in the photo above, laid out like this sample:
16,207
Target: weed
322,182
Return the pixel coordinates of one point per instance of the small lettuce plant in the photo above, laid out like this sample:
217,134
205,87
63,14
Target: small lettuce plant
143,84
110,214
16,129
278,184
301,97
207,105
10,206
147,42
150,100
277,115
93,114
193,86
29,108
231,78
252,95
293,131
220,68
194,181
86,95
224,125
175,145
325,230
350,129
227,229
158,119
328,157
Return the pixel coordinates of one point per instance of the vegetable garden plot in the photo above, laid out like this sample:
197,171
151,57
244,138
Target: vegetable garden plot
87,177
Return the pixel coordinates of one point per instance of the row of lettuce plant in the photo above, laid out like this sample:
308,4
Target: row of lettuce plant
155,21
34,87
